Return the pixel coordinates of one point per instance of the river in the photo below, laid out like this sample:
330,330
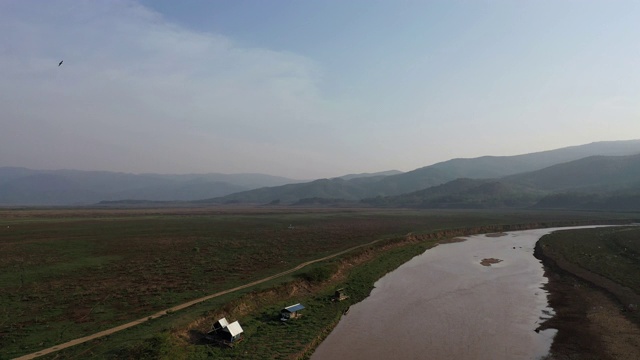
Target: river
445,304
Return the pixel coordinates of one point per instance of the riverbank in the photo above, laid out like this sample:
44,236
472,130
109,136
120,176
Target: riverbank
258,312
458,307
593,288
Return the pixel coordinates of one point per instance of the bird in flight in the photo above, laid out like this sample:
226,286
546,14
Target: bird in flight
60,63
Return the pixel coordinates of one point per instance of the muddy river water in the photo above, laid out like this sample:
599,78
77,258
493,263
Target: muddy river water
445,304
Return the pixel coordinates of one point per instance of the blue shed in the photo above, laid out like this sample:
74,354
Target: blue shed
291,312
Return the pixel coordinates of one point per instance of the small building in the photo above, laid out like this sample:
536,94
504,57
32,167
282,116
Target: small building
291,312
339,295
227,333
233,332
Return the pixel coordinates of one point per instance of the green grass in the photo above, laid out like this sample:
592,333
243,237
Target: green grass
266,337
611,252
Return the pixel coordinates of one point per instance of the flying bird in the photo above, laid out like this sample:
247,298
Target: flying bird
60,63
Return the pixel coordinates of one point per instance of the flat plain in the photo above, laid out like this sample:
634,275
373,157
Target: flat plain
68,273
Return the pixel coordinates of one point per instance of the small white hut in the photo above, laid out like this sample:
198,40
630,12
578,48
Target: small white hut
229,332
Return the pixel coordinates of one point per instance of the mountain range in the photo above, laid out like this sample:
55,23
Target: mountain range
481,168
27,187
596,182
596,175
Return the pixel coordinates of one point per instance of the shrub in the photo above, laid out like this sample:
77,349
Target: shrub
319,273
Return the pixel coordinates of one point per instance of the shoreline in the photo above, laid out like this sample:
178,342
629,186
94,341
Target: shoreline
588,309
456,235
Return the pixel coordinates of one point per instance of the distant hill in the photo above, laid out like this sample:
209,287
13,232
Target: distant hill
486,167
594,173
463,194
26,187
597,182
594,183
491,167
336,188
370,175
498,166
43,189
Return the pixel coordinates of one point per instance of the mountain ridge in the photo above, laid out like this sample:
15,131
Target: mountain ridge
19,186
596,182
22,186
433,175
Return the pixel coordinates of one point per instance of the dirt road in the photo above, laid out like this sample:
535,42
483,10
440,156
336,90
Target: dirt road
183,306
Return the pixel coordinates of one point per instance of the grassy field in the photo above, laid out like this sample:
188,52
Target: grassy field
611,254
67,273
594,288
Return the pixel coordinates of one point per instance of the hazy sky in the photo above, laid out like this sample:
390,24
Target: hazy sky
310,89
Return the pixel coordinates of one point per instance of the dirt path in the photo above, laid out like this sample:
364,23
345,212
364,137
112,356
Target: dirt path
182,306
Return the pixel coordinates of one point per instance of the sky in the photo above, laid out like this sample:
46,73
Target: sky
310,89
